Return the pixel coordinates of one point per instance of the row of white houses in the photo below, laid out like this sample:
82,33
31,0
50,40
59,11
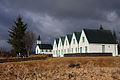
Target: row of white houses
87,41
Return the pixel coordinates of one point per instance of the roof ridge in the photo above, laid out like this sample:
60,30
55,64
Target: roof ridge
96,29
76,32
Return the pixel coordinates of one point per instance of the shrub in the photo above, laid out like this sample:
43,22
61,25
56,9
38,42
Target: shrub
74,65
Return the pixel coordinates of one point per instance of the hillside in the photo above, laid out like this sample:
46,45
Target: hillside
69,68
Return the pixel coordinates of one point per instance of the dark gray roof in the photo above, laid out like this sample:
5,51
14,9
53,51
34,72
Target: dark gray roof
63,39
45,46
99,36
69,36
57,41
77,35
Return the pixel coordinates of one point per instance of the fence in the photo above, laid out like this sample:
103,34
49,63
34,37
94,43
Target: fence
86,54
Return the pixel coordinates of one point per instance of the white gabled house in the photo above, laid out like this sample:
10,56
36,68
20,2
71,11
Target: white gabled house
61,47
55,48
83,43
67,43
75,42
98,41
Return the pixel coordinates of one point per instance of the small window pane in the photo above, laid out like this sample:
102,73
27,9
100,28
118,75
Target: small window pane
103,48
65,50
62,52
72,50
68,51
86,49
76,50
80,49
73,41
83,39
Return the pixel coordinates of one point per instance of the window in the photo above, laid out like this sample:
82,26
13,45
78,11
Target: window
83,39
72,50
80,49
73,41
64,50
76,50
66,43
56,52
103,48
68,50
85,49
59,53
46,50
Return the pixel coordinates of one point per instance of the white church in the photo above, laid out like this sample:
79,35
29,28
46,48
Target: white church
86,41
43,48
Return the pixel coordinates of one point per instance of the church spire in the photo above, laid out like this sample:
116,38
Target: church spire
101,27
39,40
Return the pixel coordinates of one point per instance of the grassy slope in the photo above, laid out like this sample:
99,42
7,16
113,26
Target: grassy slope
97,61
57,68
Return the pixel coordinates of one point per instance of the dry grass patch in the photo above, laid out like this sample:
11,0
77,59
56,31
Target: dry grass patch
85,68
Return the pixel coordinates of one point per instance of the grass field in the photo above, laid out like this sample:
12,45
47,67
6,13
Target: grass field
83,68
20,59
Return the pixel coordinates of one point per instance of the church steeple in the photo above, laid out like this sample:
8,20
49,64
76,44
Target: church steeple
39,40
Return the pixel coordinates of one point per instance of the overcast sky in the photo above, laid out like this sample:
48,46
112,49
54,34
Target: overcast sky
54,18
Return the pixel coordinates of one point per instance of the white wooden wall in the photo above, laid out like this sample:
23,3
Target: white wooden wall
66,46
83,44
74,46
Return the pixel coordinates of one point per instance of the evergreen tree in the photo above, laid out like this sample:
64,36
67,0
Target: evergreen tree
101,27
17,34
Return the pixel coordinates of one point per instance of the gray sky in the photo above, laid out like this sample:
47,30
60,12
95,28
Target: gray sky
54,18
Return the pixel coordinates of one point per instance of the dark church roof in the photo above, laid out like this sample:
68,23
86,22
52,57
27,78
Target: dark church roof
99,36
45,46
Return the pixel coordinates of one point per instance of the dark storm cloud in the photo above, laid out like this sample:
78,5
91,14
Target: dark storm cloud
54,18
67,8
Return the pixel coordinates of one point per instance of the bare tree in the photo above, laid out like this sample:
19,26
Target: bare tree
29,39
2,51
